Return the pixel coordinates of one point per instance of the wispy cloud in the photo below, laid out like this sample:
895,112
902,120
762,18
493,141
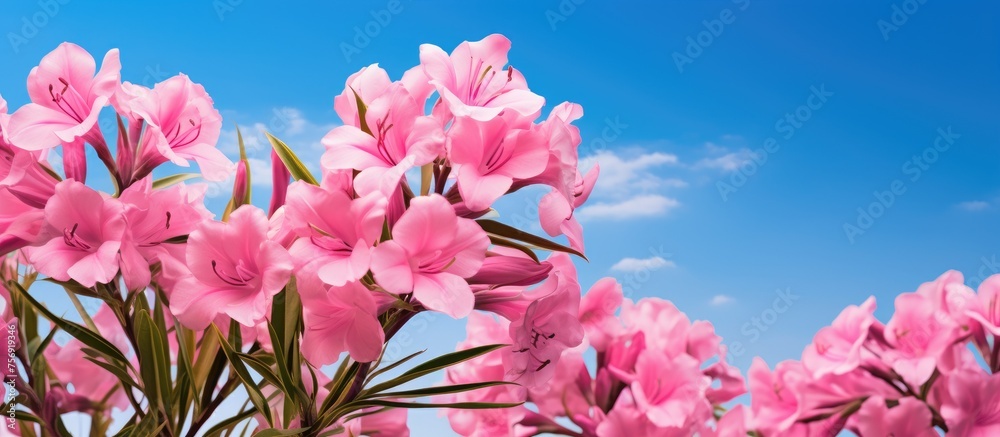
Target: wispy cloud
727,161
721,299
974,205
647,205
637,264
630,185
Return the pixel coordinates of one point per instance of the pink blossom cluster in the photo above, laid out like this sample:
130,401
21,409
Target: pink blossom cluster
656,374
397,223
930,369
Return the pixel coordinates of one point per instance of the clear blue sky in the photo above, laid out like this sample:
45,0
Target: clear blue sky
681,129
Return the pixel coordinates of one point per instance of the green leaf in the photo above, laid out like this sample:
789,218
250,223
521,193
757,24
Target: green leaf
373,375
40,349
118,372
230,423
246,162
458,405
273,432
165,182
292,162
362,112
154,361
511,244
496,228
441,390
86,336
256,397
433,365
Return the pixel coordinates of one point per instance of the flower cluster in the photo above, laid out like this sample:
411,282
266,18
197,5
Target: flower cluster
398,222
916,375
657,373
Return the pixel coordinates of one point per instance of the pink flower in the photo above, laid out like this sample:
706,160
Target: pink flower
66,98
986,308
337,231
182,124
837,349
85,231
597,313
88,379
380,421
23,173
775,395
671,392
400,136
549,326
733,423
910,417
568,392
731,383
974,407
154,217
471,81
490,155
556,212
338,319
510,267
919,335
430,253
236,270
20,223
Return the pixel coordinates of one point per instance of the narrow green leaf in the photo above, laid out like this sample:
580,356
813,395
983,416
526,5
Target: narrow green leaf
493,227
513,245
292,162
381,370
86,336
165,182
246,162
272,432
230,423
440,390
362,113
256,397
154,361
118,372
458,405
433,365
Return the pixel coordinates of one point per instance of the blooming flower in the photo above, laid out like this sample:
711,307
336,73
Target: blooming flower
66,97
490,155
471,81
181,124
236,270
838,348
909,418
338,319
337,231
85,230
154,217
430,253
974,407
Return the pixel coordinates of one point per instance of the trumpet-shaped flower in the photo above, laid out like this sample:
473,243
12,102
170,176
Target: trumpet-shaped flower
431,252
85,231
336,231
66,98
490,156
236,270
473,83
338,319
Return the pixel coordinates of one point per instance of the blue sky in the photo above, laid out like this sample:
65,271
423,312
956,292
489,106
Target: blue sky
737,138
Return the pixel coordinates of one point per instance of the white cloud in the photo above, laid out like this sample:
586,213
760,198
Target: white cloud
721,299
628,175
636,264
645,205
728,162
974,205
